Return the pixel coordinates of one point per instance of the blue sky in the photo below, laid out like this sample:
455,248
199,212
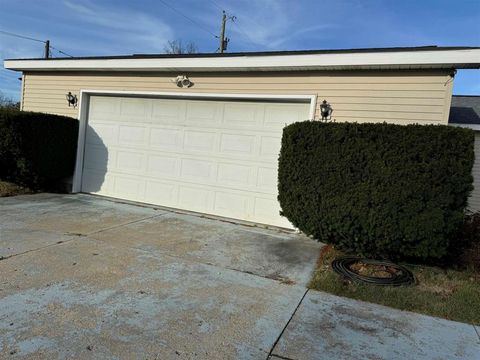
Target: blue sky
108,27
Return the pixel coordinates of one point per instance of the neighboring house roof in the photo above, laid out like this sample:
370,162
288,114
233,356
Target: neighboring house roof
426,57
465,110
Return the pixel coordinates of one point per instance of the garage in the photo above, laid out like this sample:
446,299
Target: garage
202,132
213,156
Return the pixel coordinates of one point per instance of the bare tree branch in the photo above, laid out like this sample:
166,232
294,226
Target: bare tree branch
8,103
177,47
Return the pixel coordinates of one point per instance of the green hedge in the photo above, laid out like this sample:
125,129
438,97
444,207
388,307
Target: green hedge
377,189
36,149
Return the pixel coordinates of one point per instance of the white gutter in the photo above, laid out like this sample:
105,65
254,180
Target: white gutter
428,59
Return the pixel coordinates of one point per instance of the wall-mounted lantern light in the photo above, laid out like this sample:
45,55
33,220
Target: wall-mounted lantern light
71,99
326,110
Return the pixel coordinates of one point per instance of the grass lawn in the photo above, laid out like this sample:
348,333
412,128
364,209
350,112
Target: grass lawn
10,189
449,294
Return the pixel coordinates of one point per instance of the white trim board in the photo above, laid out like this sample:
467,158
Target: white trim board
420,59
84,106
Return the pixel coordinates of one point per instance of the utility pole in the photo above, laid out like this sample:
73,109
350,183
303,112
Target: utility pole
223,44
47,49
223,40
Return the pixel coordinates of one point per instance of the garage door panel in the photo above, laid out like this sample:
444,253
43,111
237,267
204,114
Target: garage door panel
200,140
269,147
267,211
215,157
132,135
163,166
170,139
197,170
135,109
129,161
232,205
235,174
101,133
131,188
195,198
98,181
240,116
164,193
204,113
277,115
267,179
218,157
237,144
168,112
97,158
99,106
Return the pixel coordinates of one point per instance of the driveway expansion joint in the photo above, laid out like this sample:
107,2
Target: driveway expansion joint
169,210
475,327
279,357
62,242
196,261
270,354
75,236
124,224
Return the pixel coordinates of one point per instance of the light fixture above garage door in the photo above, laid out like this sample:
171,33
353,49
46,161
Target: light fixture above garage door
183,81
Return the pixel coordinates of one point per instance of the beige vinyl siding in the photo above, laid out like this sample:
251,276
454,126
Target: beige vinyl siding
364,96
474,201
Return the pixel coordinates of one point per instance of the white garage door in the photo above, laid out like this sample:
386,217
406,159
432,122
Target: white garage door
209,156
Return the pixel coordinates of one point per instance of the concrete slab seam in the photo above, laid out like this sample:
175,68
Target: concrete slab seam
246,224
286,325
476,330
41,248
76,237
196,261
279,357
124,224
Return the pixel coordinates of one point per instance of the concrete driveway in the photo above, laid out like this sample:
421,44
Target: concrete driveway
84,277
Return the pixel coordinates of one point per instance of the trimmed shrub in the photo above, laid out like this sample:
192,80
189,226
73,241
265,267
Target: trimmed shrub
37,150
379,190
466,251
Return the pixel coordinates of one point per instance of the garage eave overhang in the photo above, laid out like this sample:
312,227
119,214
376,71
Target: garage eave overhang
401,60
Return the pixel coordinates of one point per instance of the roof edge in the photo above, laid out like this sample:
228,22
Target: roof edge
389,58
260,53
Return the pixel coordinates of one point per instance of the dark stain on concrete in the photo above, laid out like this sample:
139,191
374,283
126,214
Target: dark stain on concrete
288,252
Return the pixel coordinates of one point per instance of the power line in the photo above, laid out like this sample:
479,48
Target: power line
33,39
188,18
243,32
60,51
21,36
216,5
219,7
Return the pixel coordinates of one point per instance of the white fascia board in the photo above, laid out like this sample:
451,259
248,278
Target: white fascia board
469,58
